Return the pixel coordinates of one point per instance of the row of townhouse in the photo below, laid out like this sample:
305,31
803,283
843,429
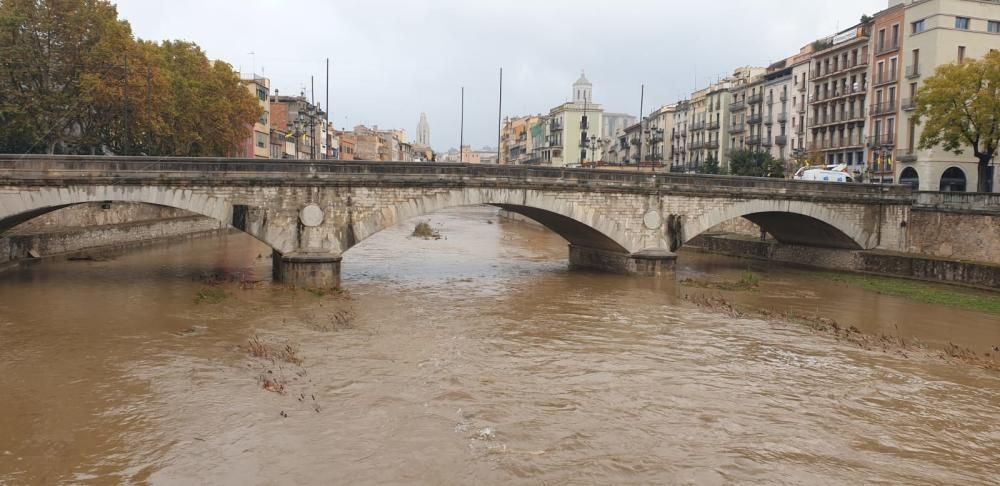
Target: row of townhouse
293,127
845,99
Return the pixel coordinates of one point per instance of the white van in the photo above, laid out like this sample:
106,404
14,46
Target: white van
827,173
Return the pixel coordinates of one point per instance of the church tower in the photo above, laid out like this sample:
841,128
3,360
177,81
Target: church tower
424,131
582,90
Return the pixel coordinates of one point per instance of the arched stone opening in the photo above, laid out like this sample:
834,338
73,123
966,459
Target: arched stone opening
798,229
909,177
790,222
953,180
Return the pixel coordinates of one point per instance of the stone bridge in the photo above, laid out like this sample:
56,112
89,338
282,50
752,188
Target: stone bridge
311,212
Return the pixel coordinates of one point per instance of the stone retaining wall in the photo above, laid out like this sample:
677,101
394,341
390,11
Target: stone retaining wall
52,243
906,265
955,235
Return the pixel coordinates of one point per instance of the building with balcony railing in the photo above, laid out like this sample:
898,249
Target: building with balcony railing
839,79
937,32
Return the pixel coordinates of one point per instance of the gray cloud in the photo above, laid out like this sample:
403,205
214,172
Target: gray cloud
392,59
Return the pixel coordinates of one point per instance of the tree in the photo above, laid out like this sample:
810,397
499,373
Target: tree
960,108
48,52
711,166
73,79
755,163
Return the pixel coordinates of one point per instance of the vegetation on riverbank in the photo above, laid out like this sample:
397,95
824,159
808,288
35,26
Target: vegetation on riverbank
747,282
886,343
925,292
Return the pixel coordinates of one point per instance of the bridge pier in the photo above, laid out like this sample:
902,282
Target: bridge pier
646,263
318,270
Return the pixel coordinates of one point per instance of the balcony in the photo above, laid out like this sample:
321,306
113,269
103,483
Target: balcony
753,141
555,125
848,142
738,106
766,143
737,128
883,140
818,74
801,130
713,125
782,117
913,71
886,49
906,155
755,99
801,87
886,108
696,145
907,104
781,140
697,126
783,97
886,78
768,119
712,145
754,118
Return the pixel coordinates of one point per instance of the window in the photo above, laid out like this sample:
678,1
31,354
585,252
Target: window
918,26
962,23
261,140
993,26
961,53
895,35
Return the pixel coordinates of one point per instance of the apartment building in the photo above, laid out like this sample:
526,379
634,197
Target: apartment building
516,146
258,143
574,128
800,137
778,87
660,125
678,137
753,96
883,112
301,121
839,78
697,122
717,122
937,32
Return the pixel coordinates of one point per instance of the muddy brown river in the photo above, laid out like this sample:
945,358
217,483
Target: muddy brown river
477,358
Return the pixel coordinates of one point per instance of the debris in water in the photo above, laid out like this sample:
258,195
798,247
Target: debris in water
487,433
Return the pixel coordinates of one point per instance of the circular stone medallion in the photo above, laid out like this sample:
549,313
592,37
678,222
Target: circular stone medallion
311,215
652,219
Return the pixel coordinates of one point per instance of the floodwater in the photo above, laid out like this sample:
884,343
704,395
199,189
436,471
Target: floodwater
476,358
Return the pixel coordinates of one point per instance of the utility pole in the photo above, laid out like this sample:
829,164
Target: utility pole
125,143
461,130
328,90
149,109
642,99
500,117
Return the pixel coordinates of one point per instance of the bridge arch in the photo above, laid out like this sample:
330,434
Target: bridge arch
24,206
575,221
792,222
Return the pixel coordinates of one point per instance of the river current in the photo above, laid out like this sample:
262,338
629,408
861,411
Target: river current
476,358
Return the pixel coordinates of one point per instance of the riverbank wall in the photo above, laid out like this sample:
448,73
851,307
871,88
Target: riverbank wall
906,265
99,226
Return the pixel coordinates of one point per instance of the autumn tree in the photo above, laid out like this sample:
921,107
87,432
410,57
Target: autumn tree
959,107
73,79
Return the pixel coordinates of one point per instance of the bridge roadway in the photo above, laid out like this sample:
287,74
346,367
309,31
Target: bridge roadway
311,212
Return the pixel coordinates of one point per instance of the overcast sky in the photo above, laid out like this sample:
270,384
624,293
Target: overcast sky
392,59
